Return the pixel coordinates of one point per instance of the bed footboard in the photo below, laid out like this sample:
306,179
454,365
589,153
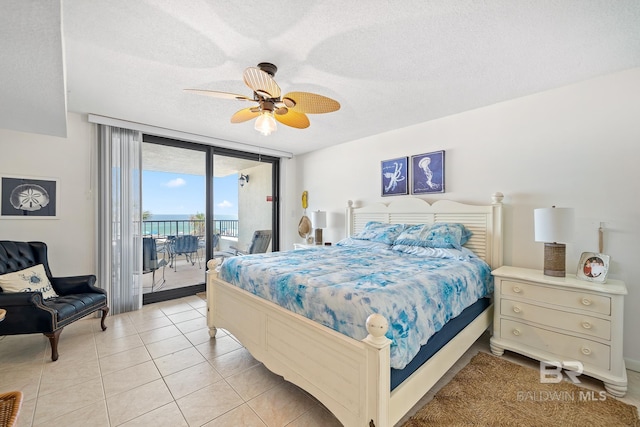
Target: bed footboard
350,377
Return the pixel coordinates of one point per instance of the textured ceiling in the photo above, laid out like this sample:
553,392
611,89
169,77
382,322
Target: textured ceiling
390,64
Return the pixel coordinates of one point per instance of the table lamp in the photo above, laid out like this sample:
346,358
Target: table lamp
554,227
319,221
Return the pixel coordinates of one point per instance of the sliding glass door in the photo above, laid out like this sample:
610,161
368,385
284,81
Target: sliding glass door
198,202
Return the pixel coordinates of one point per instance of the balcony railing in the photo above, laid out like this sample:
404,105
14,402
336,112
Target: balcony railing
164,228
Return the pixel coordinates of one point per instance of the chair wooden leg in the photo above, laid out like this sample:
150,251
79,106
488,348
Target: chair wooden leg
105,311
54,337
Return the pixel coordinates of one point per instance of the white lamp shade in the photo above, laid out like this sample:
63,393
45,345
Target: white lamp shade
319,219
265,124
553,225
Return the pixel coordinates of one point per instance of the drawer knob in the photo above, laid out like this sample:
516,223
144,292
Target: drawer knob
586,325
586,301
586,351
516,332
517,290
516,309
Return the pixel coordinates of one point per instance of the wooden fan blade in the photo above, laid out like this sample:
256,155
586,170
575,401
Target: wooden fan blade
261,82
311,103
293,119
244,115
217,94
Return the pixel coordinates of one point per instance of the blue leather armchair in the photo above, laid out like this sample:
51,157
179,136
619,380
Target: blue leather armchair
28,312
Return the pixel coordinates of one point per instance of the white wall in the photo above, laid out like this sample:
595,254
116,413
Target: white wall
576,146
254,211
71,237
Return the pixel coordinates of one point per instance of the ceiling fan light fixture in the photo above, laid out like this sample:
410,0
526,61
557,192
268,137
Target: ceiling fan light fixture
266,124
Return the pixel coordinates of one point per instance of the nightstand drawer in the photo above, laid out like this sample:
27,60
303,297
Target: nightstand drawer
570,299
580,323
566,347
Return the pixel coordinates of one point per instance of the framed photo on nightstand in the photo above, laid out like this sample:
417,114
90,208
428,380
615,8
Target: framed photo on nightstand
593,267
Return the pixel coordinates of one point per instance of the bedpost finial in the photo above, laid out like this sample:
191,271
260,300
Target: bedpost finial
377,326
350,203
497,197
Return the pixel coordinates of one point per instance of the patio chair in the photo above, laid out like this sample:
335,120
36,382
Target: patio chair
184,245
259,245
150,262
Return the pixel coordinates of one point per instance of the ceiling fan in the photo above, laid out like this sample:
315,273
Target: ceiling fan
290,109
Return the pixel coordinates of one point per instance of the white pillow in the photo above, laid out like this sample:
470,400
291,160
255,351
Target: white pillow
33,279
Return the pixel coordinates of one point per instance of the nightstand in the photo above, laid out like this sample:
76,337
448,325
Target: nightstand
561,319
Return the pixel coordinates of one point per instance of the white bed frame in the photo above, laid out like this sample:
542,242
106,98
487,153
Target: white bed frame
350,377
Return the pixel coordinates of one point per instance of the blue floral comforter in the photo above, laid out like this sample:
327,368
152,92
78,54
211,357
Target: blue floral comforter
341,286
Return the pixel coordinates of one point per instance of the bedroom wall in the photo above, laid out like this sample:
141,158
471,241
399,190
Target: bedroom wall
71,237
577,146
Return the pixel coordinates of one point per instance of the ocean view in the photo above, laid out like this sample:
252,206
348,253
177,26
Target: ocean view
180,224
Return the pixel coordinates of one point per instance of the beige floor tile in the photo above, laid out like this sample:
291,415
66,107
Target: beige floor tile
199,336
184,316
147,312
171,307
192,325
213,348
233,362
243,416
191,379
159,334
318,416
281,405
117,345
50,406
178,361
195,301
168,346
254,381
67,373
94,415
152,323
138,401
130,378
113,332
24,377
25,417
123,360
208,403
168,415
19,349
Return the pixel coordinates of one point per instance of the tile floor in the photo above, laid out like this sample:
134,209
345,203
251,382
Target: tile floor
158,367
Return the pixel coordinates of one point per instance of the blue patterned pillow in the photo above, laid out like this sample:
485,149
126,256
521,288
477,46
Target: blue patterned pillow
444,235
439,235
380,232
413,235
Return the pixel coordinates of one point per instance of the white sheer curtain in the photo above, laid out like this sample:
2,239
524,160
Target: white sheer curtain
119,214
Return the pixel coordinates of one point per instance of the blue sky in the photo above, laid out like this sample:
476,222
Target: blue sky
181,194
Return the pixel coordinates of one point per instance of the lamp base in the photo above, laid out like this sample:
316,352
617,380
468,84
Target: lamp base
554,259
318,236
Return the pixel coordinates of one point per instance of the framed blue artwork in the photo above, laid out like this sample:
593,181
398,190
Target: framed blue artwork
428,173
395,176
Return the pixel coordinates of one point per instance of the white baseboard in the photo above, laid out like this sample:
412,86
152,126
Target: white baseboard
632,364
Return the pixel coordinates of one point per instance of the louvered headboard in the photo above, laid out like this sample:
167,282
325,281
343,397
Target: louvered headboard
484,221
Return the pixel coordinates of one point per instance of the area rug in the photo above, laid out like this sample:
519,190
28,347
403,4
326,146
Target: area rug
491,391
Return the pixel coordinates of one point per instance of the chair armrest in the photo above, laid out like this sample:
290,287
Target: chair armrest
26,313
17,299
238,251
75,285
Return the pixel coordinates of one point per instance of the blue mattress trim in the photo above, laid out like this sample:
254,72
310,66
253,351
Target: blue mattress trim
439,339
